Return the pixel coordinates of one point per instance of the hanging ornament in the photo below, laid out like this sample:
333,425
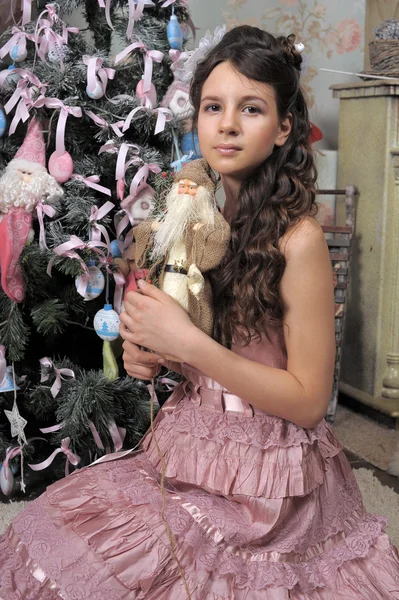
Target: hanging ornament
190,143
115,250
143,205
60,167
7,384
6,480
96,283
146,97
97,92
106,323
110,366
174,33
18,423
18,53
3,122
57,53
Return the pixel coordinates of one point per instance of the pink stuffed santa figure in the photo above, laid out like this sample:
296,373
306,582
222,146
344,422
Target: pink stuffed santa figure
24,184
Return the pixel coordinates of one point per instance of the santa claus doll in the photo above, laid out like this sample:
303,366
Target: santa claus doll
190,239
24,184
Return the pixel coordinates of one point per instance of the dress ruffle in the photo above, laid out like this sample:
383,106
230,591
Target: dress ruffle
282,464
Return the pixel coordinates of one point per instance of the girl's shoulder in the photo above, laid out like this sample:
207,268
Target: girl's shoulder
304,235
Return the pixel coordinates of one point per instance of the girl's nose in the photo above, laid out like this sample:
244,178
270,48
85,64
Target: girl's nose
228,123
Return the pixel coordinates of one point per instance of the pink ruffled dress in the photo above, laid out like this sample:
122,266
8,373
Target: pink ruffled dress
260,509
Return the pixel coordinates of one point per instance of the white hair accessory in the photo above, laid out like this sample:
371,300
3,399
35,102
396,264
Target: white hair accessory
299,47
206,44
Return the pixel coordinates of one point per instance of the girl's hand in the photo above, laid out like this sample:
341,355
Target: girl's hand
156,321
138,363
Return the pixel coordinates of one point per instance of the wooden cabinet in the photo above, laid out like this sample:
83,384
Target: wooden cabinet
368,157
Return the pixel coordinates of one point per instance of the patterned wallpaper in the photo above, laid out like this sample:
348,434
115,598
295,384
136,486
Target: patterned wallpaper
332,31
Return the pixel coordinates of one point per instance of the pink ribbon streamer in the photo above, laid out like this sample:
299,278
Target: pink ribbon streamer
96,435
141,178
12,452
94,70
53,428
26,6
164,115
71,458
121,164
91,182
97,214
117,434
60,375
119,283
3,364
136,10
65,111
170,383
48,210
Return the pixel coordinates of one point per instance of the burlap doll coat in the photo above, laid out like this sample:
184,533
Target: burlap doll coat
205,248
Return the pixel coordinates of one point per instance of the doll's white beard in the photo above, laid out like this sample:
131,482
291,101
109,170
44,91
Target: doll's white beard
14,192
182,210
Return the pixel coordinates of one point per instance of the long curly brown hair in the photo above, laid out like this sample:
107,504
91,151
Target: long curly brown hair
247,301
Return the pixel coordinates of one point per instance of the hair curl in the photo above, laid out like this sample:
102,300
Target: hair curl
247,301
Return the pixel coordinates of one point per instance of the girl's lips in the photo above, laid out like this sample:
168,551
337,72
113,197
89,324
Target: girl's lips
226,150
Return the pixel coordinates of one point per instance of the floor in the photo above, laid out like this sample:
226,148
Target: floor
384,477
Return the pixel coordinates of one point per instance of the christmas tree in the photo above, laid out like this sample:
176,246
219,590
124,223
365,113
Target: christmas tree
108,126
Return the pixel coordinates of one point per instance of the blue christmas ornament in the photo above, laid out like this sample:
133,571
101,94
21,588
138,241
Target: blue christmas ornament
106,323
174,33
18,53
3,122
190,143
115,250
96,282
7,385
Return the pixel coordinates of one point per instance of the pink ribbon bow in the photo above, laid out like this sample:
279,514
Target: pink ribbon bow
94,70
67,249
46,38
18,38
116,127
71,458
149,58
65,111
60,374
91,182
96,215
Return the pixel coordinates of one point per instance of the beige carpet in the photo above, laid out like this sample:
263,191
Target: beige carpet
378,499
366,438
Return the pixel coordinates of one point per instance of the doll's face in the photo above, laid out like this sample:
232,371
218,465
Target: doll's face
186,186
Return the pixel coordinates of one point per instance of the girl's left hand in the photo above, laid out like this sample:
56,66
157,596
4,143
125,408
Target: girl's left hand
156,321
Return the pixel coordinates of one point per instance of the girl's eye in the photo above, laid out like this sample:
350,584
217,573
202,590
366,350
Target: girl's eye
212,108
252,110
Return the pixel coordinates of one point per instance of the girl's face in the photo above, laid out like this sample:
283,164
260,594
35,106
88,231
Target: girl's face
238,123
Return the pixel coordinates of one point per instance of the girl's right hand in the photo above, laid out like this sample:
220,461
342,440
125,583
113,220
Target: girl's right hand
140,364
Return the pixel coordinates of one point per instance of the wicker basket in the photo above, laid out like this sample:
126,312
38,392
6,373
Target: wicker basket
384,55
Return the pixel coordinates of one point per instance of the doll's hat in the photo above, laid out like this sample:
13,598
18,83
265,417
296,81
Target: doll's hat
33,149
198,171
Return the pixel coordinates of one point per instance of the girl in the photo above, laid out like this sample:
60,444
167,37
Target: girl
259,502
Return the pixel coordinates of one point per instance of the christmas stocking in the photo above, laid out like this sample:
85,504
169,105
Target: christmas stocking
14,231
